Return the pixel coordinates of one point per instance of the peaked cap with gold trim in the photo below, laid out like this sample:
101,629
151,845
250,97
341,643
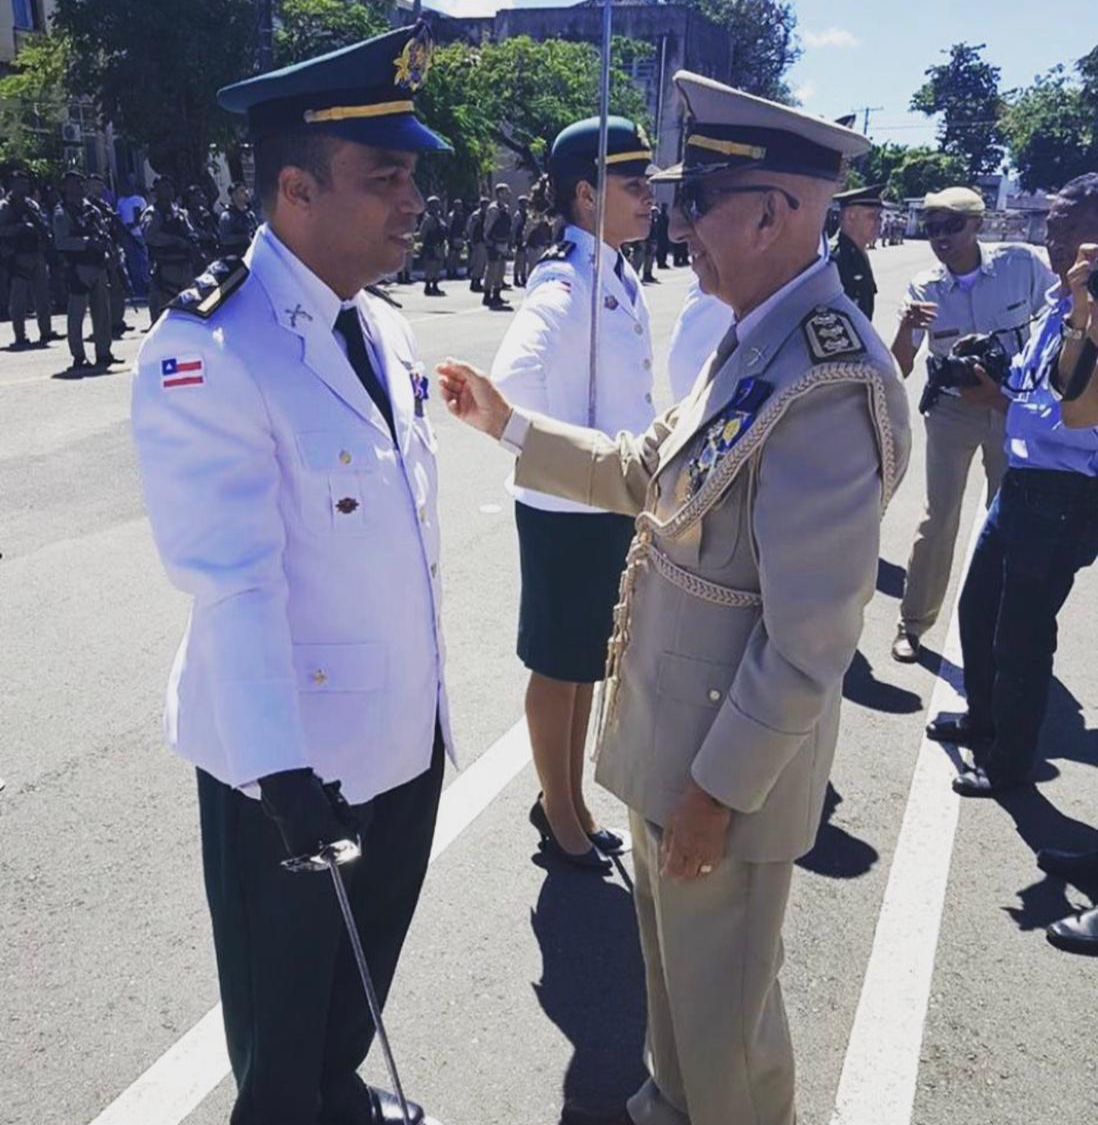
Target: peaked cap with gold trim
364,93
728,129
576,148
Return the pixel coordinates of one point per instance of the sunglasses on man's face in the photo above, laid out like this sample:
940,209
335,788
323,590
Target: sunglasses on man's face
953,225
695,198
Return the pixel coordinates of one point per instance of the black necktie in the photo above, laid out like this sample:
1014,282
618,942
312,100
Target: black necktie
619,269
350,328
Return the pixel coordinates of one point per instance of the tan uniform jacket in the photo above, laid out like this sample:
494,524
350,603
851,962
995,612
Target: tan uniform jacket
743,600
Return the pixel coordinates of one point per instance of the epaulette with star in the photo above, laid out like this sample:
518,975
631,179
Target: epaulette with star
831,334
558,252
212,288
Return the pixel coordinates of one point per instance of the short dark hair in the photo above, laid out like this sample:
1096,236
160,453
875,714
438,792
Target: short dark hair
299,148
1082,193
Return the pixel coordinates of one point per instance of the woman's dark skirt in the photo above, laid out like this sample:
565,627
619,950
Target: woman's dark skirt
571,567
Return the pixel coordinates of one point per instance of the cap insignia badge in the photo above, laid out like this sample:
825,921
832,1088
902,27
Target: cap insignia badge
412,64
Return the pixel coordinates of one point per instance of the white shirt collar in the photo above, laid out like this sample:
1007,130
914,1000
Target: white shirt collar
755,317
324,301
585,242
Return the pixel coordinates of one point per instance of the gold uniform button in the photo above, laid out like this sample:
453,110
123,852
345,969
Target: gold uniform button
714,695
320,676
344,457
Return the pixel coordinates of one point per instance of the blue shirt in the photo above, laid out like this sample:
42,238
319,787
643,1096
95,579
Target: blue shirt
1036,435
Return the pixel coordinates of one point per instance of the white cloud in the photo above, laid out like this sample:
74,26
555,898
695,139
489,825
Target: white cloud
805,92
832,37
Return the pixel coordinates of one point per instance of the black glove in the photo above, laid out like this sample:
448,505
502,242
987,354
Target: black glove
309,815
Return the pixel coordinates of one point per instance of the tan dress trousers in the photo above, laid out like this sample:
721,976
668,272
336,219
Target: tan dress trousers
719,1051
955,430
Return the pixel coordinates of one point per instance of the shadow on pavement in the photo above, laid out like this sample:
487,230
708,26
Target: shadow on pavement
861,686
592,984
890,579
836,854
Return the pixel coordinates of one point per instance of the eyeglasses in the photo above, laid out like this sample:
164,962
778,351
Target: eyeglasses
694,199
953,225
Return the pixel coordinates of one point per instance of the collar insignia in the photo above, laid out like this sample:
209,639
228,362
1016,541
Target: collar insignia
295,312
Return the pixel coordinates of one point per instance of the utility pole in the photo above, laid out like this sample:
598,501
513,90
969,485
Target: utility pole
265,38
866,110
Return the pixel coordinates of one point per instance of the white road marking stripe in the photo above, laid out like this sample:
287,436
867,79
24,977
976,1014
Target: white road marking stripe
881,1068
181,1079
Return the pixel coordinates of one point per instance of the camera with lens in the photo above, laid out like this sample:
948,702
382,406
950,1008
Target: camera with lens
958,369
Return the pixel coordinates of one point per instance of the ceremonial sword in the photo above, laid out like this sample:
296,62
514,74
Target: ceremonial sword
331,858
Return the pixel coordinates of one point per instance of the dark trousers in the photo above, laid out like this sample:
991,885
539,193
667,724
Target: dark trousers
1041,529
296,1019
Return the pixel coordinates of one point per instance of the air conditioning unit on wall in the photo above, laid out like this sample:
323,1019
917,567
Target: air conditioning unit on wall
71,133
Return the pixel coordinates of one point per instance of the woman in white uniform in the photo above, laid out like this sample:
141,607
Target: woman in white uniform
572,556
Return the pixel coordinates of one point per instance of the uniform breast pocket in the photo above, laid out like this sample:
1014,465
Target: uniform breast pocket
690,693
334,481
722,527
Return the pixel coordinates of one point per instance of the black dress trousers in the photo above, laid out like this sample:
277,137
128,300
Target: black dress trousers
296,1018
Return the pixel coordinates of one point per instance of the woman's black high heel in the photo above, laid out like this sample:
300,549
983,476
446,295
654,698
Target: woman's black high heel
590,860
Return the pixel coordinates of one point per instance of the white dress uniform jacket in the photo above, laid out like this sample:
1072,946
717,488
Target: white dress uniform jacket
308,543
702,324
543,363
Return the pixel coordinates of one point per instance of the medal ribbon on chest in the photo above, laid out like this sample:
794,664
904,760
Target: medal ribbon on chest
729,426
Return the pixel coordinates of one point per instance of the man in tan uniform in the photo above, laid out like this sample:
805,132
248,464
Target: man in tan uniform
994,289
758,501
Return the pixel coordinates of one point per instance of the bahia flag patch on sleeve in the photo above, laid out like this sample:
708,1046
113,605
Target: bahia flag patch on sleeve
182,371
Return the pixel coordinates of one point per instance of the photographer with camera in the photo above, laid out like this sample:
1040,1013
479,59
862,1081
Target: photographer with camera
994,291
1041,529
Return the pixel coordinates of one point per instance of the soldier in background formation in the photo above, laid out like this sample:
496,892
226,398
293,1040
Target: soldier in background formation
205,224
173,247
82,237
455,238
860,219
25,241
432,232
497,238
518,240
478,252
237,224
118,281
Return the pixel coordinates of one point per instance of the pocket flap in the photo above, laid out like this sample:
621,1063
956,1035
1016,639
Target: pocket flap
358,667
330,451
703,683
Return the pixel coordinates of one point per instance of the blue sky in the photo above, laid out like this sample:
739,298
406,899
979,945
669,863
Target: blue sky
857,54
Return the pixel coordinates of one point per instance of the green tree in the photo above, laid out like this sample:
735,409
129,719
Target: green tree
763,38
924,169
154,71
528,91
314,27
1052,131
965,91
877,166
33,104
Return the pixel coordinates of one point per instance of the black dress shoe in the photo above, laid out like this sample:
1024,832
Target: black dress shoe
958,730
589,860
80,365
905,648
976,783
1069,866
108,360
1078,934
607,842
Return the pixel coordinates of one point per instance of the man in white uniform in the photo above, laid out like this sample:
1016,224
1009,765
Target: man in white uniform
290,477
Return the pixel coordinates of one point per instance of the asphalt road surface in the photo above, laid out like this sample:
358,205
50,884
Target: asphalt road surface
919,984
